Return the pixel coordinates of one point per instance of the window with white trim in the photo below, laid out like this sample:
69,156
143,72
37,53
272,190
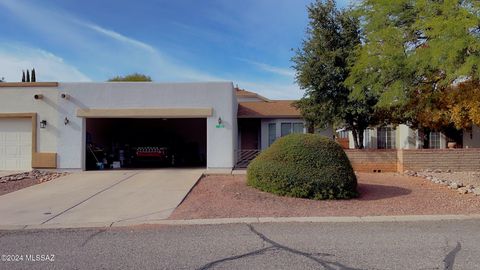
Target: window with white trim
287,128
386,138
272,133
434,140
342,134
367,138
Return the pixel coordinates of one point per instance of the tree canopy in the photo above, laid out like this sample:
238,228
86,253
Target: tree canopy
134,77
322,66
414,54
413,62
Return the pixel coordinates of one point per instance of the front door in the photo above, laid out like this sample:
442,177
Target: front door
249,133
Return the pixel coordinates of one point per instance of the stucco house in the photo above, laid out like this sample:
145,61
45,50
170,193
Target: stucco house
137,124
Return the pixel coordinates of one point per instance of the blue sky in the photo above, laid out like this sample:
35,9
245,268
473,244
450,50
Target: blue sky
248,42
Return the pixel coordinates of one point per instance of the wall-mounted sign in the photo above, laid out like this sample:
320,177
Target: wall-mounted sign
220,126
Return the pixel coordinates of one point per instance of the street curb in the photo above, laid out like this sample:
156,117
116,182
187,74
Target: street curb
246,220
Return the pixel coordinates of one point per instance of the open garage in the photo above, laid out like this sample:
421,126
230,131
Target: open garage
90,126
145,142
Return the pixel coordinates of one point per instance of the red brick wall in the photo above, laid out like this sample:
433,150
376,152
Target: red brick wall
373,160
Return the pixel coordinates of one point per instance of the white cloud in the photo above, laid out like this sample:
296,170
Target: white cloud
117,36
104,46
272,69
48,67
71,32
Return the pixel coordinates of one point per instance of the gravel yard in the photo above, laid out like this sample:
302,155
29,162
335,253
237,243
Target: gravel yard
13,182
228,196
467,178
463,182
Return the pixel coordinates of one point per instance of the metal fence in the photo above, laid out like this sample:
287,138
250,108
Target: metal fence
245,156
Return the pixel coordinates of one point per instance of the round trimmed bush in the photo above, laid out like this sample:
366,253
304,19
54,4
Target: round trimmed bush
305,166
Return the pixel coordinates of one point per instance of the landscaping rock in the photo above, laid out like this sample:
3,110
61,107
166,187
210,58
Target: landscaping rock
41,176
462,190
454,185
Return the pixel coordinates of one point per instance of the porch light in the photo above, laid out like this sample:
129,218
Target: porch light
66,121
219,120
43,124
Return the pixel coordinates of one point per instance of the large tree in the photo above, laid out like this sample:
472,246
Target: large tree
134,77
322,65
413,55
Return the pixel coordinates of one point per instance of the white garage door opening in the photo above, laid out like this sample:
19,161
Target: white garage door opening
15,144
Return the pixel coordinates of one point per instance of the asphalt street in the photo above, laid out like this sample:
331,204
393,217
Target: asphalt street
364,245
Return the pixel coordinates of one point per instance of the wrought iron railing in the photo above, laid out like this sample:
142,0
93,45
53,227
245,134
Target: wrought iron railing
245,156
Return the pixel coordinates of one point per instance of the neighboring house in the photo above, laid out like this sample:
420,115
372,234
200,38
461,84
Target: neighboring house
404,137
137,124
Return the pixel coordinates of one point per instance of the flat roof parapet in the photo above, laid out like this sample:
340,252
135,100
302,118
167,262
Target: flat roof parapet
29,84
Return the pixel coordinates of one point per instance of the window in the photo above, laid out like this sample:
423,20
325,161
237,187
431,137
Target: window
272,133
342,134
297,127
434,140
367,138
385,138
287,128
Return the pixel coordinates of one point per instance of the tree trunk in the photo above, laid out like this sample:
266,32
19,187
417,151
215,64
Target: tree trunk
310,128
360,138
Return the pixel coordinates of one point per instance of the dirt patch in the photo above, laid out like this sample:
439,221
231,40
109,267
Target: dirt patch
12,186
14,182
381,194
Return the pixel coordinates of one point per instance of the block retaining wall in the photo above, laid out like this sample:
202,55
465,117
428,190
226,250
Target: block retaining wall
391,160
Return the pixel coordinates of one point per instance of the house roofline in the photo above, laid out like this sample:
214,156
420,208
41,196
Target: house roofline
29,84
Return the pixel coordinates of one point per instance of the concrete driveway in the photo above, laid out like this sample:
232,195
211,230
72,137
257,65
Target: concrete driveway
99,197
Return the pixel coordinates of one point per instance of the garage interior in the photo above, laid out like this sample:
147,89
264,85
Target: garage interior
113,143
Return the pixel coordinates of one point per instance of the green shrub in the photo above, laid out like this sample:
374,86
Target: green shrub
305,166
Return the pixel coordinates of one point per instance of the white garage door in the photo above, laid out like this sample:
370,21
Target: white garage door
15,144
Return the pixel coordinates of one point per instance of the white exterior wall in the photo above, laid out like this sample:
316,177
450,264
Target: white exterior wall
471,138
20,100
68,141
234,131
264,128
407,138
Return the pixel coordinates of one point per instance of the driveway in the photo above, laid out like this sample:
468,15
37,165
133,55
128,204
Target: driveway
102,197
